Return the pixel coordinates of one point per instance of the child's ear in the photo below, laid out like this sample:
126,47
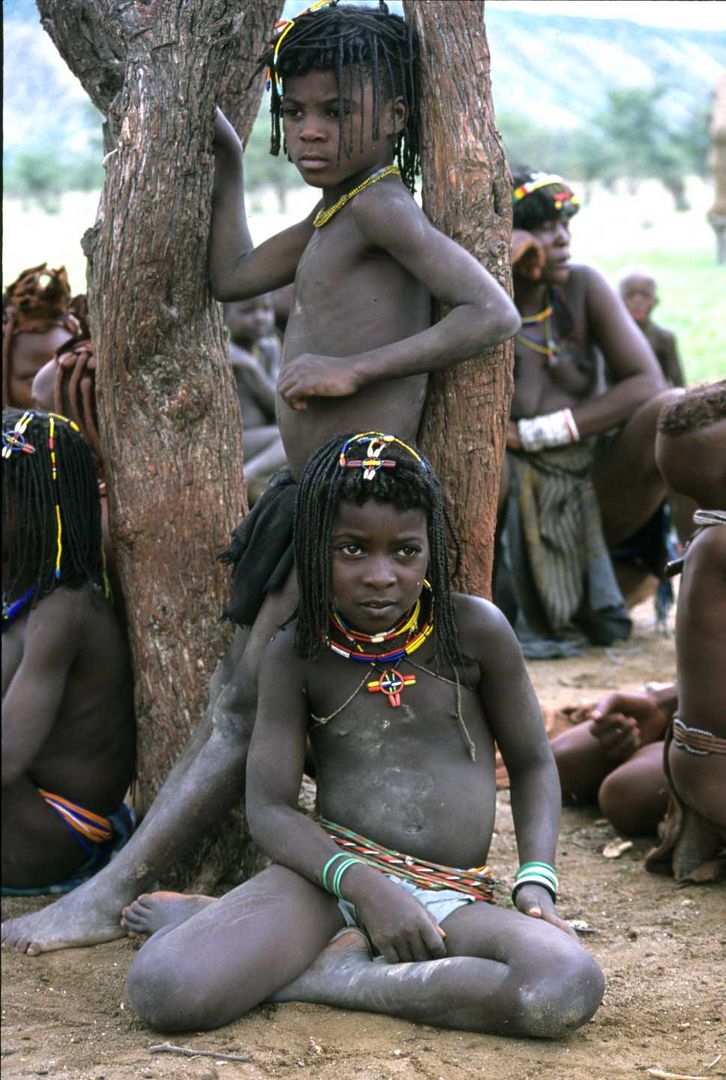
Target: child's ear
399,115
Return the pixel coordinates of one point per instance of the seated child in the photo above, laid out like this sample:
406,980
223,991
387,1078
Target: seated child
638,290
614,756
403,688
67,725
37,318
691,452
255,356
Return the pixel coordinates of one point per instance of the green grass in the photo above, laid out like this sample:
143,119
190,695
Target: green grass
691,288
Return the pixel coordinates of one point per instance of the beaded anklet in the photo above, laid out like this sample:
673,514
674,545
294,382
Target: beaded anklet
536,873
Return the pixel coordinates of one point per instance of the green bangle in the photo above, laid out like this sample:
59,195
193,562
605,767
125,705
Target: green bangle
339,871
536,873
329,863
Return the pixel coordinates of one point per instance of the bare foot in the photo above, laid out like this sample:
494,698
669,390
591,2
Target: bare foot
86,916
158,910
699,851
344,955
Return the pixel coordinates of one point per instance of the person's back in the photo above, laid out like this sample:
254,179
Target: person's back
68,733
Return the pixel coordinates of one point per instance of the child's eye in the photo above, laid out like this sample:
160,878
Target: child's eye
291,111
353,551
409,551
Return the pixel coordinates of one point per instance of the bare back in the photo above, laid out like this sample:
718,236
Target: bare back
67,698
350,297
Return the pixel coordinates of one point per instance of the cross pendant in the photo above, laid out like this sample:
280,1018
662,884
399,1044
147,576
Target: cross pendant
391,683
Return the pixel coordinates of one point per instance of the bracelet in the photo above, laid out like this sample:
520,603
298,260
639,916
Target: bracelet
536,873
329,863
339,871
553,429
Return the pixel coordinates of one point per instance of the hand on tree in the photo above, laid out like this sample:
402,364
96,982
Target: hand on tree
310,375
528,256
622,723
225,137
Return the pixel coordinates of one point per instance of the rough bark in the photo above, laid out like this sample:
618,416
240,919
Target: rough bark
467,195
169,417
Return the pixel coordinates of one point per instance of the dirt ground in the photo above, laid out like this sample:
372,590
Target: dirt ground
662,949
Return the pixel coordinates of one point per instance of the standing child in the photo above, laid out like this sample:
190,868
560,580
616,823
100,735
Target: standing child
403,688
366,264
639,292
67,728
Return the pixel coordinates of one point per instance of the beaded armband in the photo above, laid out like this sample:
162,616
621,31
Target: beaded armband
536,873
553,429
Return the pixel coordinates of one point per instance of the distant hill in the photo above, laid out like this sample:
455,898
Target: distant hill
556,70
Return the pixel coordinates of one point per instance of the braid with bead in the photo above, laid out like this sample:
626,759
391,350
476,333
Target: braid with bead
29,495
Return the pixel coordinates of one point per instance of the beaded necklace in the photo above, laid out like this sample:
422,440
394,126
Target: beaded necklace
549,348
323,216
390,681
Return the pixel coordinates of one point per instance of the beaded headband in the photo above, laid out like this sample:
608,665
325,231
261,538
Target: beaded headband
285,26
372,462
540,180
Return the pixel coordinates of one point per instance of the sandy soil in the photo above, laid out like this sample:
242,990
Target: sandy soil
661,947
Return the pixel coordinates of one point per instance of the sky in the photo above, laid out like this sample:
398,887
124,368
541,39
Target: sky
686,14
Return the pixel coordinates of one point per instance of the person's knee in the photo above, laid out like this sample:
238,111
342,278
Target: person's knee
618,798
158,996
562,997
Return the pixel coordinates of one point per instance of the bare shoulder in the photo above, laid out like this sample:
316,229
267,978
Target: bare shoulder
484,632
382,209
281,651
707,552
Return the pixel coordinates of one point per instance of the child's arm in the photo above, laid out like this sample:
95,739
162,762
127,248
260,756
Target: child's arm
670,359
34,695
481,314
237,269
515,721
398,925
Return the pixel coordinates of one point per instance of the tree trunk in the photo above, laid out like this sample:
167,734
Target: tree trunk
169,418
467,194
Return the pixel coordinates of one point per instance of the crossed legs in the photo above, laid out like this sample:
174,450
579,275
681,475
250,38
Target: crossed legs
271,939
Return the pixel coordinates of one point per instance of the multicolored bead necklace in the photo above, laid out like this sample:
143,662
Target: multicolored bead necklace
390,681
549,348
323,216
13,611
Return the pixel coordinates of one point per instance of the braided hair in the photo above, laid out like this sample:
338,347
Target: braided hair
52,527
356,43
410,485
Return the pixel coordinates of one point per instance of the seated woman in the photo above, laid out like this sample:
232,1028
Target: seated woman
67,725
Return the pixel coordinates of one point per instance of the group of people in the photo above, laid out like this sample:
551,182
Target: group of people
348,640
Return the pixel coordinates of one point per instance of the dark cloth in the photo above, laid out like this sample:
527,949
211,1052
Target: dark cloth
553,578
261,551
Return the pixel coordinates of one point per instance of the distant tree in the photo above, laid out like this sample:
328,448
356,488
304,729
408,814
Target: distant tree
262,170
640,140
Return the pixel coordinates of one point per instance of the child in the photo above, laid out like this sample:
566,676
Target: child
67,728
37,318
566,493
691,451
359,344
638,290
254,354
404,758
